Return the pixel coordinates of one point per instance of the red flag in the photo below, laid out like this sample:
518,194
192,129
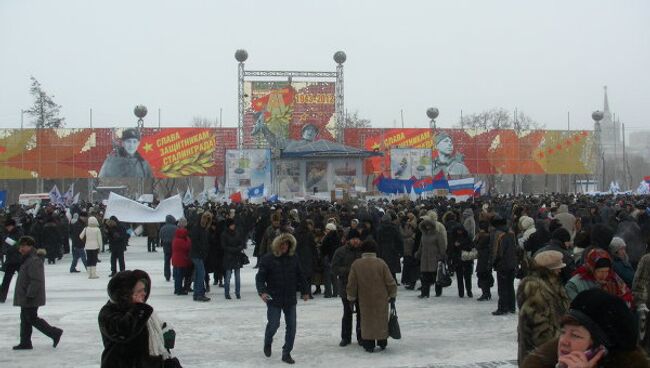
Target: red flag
236,197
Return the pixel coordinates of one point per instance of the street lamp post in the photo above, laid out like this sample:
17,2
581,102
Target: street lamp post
598,116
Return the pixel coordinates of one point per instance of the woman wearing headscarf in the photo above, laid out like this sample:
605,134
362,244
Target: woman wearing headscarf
597,273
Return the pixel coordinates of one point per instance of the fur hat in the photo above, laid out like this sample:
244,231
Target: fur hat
229,222
10,222
551,259
120,287
130,133
608,319
601,236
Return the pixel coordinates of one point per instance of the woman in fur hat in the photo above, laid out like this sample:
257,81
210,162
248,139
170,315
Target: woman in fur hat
598,331
132,333
542,302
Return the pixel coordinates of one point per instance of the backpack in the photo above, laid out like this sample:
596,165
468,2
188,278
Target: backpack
523,263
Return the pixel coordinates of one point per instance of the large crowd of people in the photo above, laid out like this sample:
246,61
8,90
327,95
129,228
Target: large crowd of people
578,258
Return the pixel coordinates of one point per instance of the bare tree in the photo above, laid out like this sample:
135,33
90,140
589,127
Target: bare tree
203,122
44,110
500,118
354,121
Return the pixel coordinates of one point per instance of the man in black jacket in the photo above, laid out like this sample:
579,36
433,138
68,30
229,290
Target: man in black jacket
341,262
78,224
118,239
505,263
12,256
166,236
278,278
29,295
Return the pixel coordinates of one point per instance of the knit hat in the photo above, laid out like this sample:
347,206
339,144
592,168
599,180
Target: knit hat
10,222
561,234
330,226
551,259
616,244
608,319
353,233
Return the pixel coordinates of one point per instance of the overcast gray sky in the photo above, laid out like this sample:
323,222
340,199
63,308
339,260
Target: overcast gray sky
542,57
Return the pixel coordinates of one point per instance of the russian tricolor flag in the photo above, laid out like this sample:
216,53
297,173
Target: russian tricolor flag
461,187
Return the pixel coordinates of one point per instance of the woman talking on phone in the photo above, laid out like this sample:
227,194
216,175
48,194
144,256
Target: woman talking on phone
598,331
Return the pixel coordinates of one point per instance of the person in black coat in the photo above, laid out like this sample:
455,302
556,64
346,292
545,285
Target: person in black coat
199,233
390,245
278,278
483,265
126,328
538,239
51,240
306,250
118,239
331,242
78,252
12,256
463,268
232,257
505,263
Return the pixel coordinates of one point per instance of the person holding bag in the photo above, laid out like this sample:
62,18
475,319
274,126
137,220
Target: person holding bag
433,247
132,333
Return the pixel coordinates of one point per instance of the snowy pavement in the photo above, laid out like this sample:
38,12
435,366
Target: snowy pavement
436,332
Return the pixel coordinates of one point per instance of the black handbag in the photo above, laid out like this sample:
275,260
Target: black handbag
443,278
244,258
393,324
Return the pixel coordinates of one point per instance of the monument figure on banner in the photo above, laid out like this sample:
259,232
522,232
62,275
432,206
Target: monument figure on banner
309,134
448,162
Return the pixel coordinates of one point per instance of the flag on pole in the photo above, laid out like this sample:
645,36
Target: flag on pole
188,198
69,195
478,186
3,198
55,195
236,197
273,198
461,187
75,200
257,191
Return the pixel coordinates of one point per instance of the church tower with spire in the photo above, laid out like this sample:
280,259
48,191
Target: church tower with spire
611,142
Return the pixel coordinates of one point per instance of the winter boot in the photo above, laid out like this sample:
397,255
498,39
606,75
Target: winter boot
93,272
425,291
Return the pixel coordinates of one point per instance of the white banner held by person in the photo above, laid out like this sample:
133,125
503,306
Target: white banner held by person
127,210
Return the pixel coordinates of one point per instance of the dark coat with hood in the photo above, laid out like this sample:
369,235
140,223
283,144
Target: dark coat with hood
30,284
117,236
306,250
232,248
390,245
167,232
504,248
484,252
123,324
51,239
199,233
279,275
12,256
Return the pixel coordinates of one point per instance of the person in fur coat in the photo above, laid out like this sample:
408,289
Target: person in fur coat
542,302
132,333
591,337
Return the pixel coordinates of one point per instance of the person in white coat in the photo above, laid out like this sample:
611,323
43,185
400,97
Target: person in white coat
92,236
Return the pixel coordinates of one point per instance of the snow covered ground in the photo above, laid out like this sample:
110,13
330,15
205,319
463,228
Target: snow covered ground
436,332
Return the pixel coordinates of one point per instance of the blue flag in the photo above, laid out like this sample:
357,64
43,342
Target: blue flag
3,198
257,191
273,198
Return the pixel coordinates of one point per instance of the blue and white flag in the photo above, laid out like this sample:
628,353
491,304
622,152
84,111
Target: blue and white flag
257,191
55,195
188,198
273,198
69,195
461,187
3,198
478,186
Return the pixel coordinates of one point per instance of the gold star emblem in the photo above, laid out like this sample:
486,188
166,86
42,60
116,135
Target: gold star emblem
147,147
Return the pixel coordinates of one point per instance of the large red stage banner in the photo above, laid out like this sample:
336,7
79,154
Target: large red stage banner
118,152
458,152
286,108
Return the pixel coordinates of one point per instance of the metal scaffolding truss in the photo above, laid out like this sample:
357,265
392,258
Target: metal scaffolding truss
339,94
285,74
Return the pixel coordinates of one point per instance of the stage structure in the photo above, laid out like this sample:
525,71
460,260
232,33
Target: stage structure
299,116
